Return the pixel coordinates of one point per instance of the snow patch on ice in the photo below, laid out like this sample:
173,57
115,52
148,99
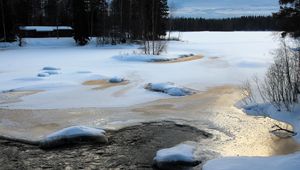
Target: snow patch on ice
289,162
170,89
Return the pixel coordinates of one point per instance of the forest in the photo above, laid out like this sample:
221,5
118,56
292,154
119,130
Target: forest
245,23
121,20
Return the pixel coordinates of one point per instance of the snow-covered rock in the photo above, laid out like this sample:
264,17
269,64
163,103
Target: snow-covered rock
116,80
173,158
170,89
43,75
51,68
74,135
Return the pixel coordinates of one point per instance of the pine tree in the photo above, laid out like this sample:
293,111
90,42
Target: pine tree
100,19
80,19
289,16
8,21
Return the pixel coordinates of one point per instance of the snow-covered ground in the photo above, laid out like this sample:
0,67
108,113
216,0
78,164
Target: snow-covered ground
229,58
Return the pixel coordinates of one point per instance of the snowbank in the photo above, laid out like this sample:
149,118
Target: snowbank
289,162
179,156
73,135
170,89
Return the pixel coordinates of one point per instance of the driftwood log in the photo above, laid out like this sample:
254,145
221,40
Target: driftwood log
282,132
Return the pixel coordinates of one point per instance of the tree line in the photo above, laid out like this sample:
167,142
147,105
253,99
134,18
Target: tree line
120,20
244,23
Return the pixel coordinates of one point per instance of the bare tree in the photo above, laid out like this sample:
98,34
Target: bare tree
280,86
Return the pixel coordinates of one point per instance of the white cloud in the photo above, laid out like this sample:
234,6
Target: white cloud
224,8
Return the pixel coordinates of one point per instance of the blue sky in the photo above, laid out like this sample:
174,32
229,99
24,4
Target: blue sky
223,8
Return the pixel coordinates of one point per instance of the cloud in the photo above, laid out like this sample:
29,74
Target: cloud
223,9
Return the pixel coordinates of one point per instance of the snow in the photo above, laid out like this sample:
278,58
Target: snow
288,162
73,133
229,58
181,156
182,152
45,28
170,89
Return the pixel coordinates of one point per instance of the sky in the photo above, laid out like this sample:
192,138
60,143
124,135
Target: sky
222,8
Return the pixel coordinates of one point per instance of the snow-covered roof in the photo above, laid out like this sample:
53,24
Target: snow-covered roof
45,28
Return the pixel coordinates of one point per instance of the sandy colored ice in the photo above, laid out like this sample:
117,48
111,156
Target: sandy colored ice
182,59
103,84
15,96
235,133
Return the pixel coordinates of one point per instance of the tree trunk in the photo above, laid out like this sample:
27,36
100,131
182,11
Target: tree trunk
3,21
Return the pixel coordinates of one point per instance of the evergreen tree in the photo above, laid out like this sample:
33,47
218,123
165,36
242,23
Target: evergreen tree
80,22
245,23
8,21
162,17
289,16
140,19
100,19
